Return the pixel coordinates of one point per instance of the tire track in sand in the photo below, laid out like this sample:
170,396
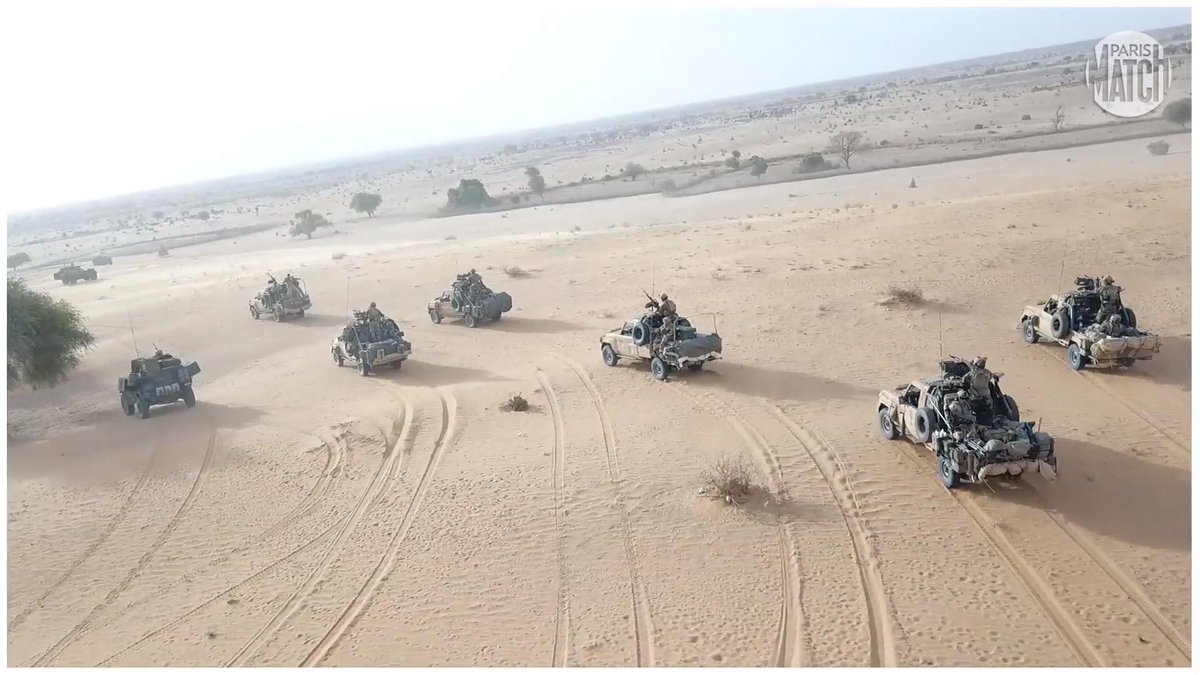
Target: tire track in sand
1037,588
361,601
316,574
880,620
791,648
643,626
335,454
92,548
562,620
53,652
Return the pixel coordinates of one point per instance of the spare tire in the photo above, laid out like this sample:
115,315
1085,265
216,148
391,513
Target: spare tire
1128,318
640,334
923,423
1060,324
455,304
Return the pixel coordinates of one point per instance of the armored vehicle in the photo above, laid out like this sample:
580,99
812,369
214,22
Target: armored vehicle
280,301
101,259
668,345
470,300
972,441
69,274
370,344
1072,321
157,380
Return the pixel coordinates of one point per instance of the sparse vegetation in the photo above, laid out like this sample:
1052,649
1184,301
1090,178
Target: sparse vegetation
667,185
46,338
1179,112
813,161
730,479
845,145
537,184
17,259
734,161
1026,118
470,194
306,223
904,297
515,272
1059,118
516,403
366,202
758,166
633,170
1158,147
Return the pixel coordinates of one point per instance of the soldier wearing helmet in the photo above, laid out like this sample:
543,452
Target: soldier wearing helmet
979,384
1110,299
373,313
667,306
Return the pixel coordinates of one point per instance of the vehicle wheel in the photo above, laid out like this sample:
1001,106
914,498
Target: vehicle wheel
949,477
1128,317
1060,324
659,369
1127,363
455,305
924,425
1075,357
278,314
640,334
434,316
1014,413
189,397
1030,332
364,366
695,367
886,426
609,355
65,282
253,312
396,365
300,314
143,409
127,408
337,358
469,319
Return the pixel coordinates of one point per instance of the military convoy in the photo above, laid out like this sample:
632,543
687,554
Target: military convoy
469,299
280,301
158,380
668,341
370,341
1097,331
974,437
71,273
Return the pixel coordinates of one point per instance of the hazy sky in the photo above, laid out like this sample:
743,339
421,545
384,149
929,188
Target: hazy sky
110,97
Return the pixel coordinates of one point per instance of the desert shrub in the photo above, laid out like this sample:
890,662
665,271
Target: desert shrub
667,185
813,161
1158,147
17,259
515,272
633,170
906,297
46,338
1026,118
516,403
978,126
1179,112
730,479
758,166
470,194
366,202
733,163
306,223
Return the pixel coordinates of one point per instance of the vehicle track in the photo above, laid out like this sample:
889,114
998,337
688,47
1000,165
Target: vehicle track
197,485
335,454
93,547
837,477
642,618
790,648
404,430
191,612
1070,633
305,589
365,595
562,620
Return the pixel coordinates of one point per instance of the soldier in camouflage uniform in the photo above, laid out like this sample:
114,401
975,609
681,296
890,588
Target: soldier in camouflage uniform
1110,300
978,382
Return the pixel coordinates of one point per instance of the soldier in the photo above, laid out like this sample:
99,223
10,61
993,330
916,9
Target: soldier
978,383
1112,326
667,307
373,312
958,409
1110,299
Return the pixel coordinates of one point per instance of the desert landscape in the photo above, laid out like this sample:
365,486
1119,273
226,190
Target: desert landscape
303,515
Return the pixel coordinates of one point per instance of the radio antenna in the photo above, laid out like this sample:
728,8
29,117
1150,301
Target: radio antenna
940,350
1058,289
132,334
347,297
652,266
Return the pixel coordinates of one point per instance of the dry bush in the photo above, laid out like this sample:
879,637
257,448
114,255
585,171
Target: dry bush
338,255
515,404
515,272
731,479
907,297
1158,147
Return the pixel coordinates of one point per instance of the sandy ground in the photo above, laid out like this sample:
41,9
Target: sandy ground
302,514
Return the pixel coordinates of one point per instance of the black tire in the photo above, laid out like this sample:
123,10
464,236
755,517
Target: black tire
396,365
300,314
1128,318
1029,332
1128,363
337,358
435,316
364,365
695,367
189,397
1013,412
127,408
455,305
1075,357
659,369
886,426
253,312
640,334
143,409
609,355
1060,324
470,320
949,478
923,421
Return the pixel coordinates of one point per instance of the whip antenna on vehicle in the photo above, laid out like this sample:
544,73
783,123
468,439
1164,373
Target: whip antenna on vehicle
347,297
132,334
1060,273
940,352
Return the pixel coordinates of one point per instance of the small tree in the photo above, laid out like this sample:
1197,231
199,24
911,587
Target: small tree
46,338
1179,112
813,161
758,166
846,144
203,215
366,202
470,194
306,223
536,182
633,170
1058,119
17,259
733,163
